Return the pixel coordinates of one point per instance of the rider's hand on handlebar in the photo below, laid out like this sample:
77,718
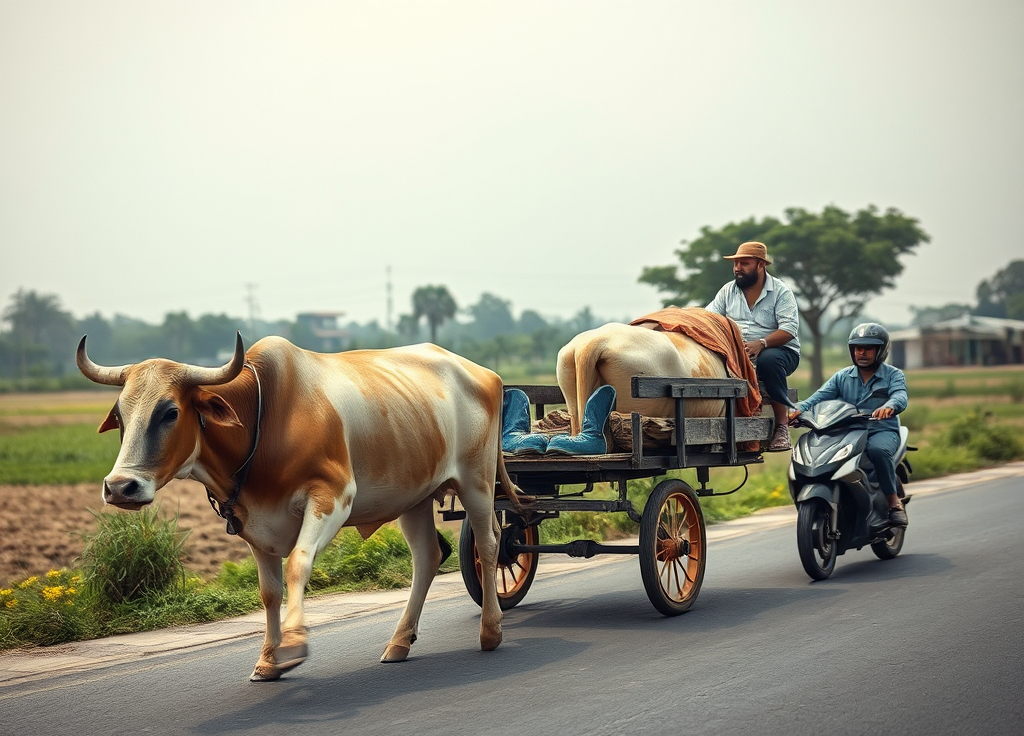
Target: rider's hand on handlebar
793,414
882,412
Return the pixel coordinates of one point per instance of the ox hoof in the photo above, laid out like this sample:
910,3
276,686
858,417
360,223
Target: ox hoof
395,653
288,658
265,673
490,643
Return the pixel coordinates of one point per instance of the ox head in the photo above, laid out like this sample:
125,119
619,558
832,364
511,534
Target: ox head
160,412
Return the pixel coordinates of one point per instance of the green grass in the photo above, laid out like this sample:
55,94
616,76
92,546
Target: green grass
55,454
130,578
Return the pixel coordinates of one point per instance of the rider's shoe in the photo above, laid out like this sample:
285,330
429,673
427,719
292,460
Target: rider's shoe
898,517
780,439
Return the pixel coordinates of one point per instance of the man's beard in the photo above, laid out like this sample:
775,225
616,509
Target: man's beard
746,280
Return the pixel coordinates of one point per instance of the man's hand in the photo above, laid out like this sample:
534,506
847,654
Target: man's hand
752,348
793,414
882,412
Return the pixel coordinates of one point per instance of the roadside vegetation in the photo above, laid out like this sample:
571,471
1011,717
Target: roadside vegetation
130,576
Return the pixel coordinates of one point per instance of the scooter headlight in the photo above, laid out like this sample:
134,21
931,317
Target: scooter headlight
842,453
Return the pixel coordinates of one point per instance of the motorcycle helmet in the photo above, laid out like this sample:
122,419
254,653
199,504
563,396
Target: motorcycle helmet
870,333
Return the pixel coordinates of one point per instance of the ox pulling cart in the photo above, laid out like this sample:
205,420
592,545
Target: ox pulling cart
672,545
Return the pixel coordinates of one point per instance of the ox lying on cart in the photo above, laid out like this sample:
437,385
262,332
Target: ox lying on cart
672,545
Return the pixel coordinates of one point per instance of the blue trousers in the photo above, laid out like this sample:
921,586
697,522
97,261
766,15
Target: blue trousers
773,365
881,450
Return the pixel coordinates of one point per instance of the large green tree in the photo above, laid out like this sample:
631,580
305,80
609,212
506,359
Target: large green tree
436,304
704,269
833,261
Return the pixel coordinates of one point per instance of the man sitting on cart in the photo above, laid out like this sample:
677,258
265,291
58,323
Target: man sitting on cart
871,385
766,312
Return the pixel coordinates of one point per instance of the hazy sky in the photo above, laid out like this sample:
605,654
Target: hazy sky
165,156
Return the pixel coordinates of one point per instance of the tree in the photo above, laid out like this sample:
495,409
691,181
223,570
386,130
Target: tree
492,316
39,329
704,267
530,321
408,328
1001,294
833,262
434,303
178,331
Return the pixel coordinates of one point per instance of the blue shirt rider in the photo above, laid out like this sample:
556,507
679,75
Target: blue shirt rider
876,387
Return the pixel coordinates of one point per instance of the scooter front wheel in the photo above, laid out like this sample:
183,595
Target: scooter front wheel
817,549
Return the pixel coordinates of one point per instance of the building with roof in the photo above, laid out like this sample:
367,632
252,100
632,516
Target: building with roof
964,341
326,335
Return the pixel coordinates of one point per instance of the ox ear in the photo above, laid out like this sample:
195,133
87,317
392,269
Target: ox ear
110,422
214,408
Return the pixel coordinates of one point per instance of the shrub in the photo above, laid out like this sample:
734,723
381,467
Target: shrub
1015,390
988,441
915,418
48,609
949,391
133,555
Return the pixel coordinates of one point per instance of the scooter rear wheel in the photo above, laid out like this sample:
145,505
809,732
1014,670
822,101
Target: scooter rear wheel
817,549
889,548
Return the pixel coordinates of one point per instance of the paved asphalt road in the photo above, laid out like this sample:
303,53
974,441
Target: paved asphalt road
928,643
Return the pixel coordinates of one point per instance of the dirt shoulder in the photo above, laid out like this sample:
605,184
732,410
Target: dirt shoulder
43,527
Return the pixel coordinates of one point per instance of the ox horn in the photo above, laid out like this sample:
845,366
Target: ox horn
109,375
198,376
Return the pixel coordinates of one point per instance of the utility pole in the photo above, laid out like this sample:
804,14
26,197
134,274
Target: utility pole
388,288
254,309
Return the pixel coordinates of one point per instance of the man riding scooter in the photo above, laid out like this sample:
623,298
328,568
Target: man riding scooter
878,388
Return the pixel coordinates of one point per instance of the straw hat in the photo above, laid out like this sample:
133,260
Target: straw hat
753,249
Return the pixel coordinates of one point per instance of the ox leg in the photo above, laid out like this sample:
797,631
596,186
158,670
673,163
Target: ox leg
316,532
417,525
271,593
479,507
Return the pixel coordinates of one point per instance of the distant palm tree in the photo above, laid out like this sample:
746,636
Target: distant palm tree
434,303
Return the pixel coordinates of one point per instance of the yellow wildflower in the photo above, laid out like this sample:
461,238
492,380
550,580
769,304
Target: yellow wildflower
28,582
11,603
53,574
53,593
4,592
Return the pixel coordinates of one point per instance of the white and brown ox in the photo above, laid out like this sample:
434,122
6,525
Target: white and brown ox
613,353
350,439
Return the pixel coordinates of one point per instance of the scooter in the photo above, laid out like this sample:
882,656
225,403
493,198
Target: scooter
840,506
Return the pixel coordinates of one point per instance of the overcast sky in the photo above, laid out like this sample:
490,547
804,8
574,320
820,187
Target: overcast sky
166,156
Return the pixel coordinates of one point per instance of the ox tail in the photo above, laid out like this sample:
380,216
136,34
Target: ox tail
521,502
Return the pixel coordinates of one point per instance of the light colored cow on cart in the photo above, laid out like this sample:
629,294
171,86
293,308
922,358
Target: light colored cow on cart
294,445
613,353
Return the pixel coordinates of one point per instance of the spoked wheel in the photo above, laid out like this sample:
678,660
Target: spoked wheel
673,547
817,549
515,572
889,548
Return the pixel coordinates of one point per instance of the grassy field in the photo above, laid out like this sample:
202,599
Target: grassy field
51,437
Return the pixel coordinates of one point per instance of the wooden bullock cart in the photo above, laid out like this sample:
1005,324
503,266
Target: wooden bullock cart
672,546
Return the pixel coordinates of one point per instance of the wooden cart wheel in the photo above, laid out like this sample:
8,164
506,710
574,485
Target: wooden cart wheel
515,572
673,547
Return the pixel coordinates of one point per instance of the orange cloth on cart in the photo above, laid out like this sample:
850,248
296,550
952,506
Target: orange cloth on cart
718,334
